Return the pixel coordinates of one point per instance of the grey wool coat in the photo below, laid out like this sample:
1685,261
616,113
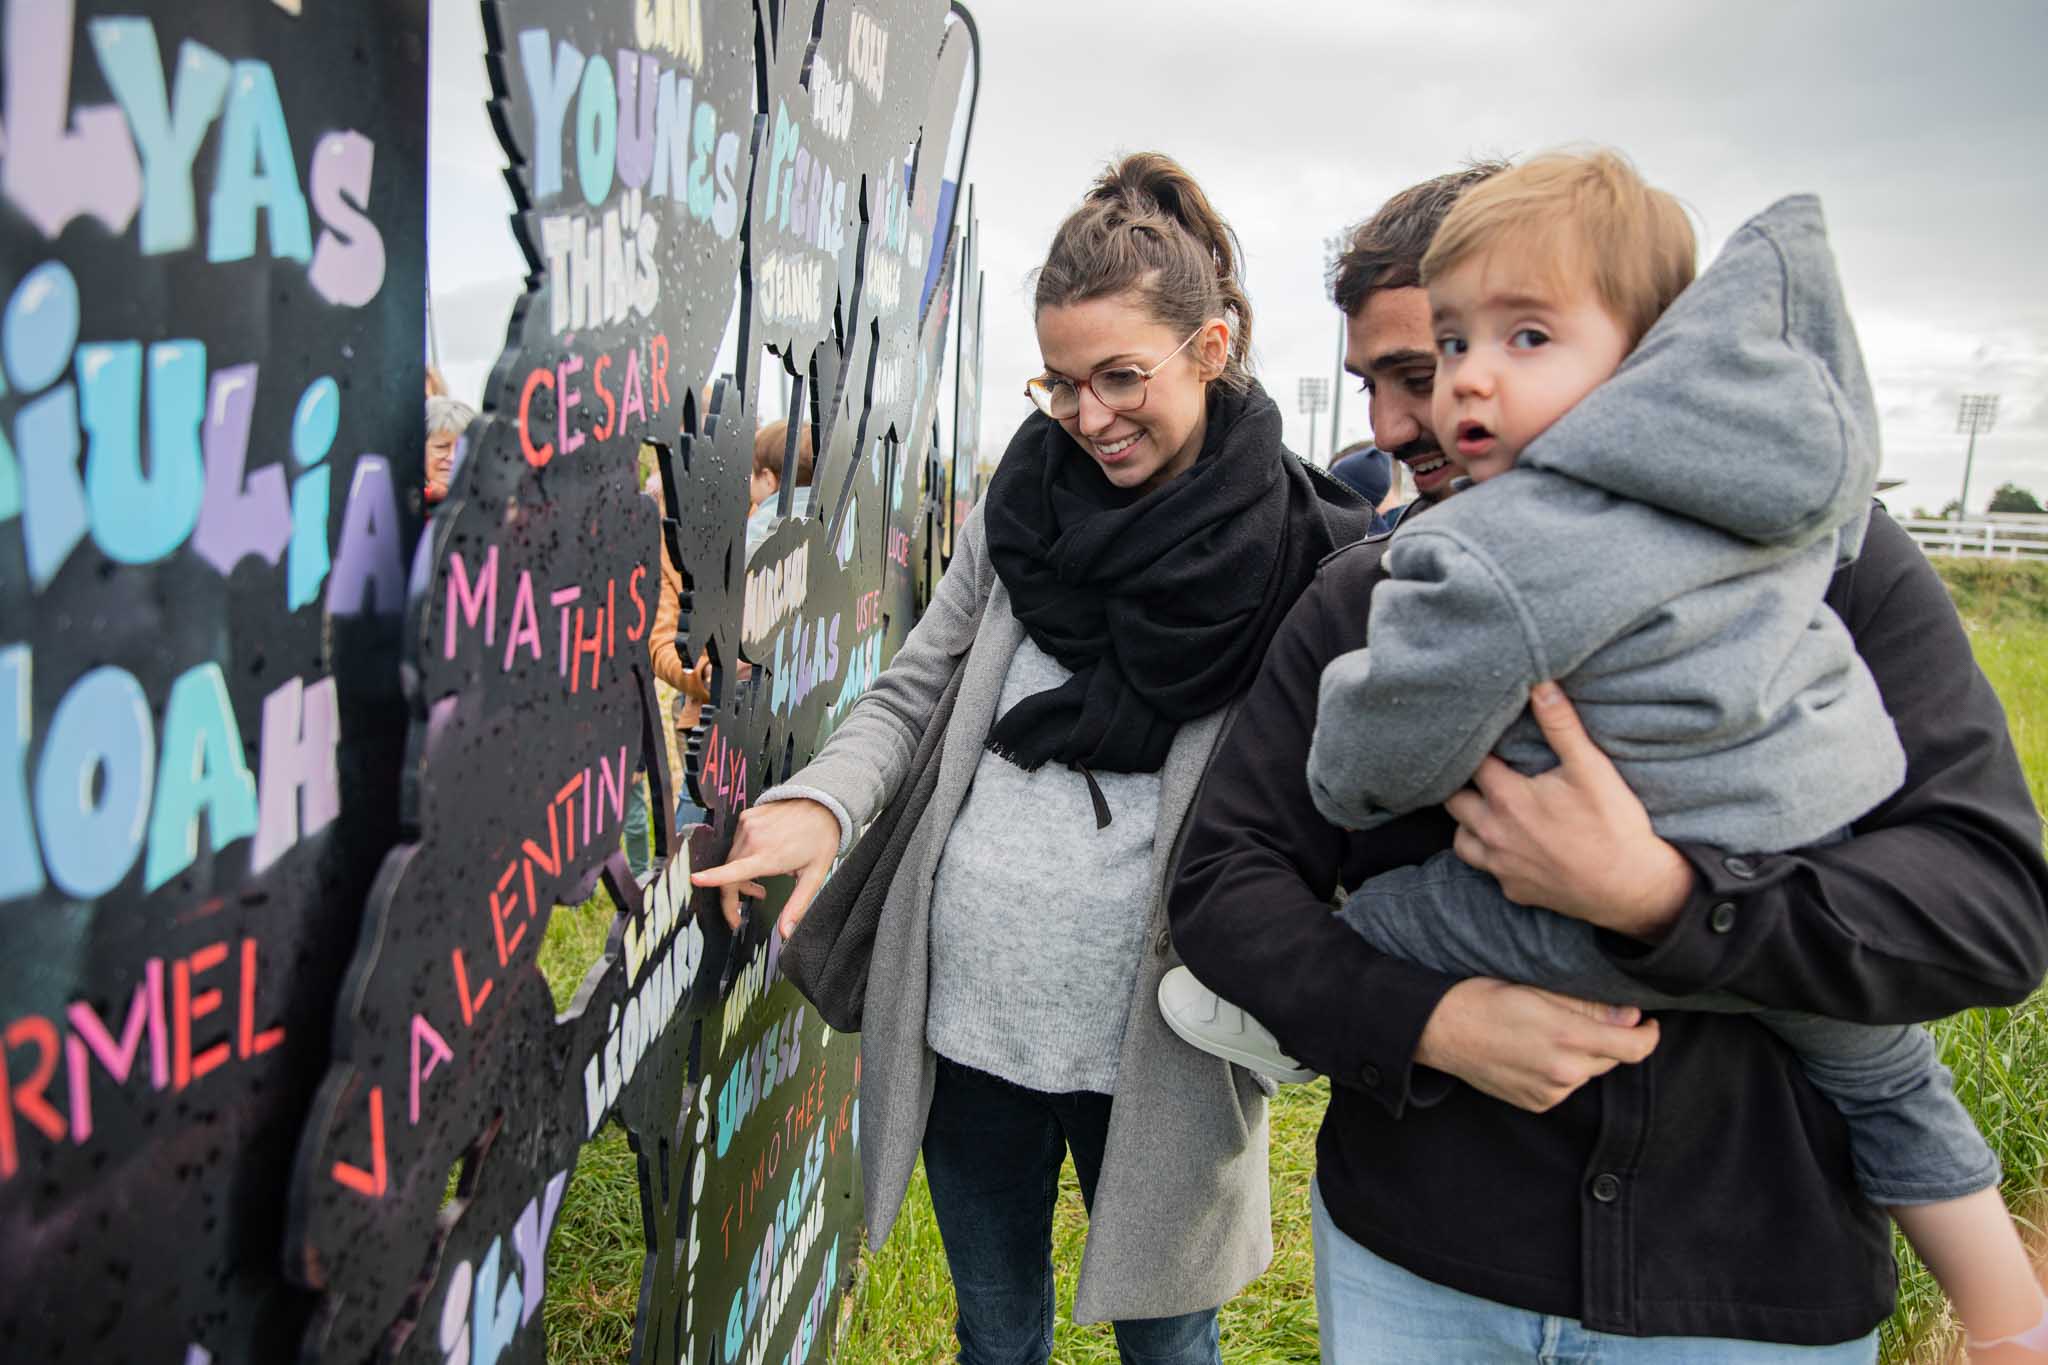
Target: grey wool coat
1181,1219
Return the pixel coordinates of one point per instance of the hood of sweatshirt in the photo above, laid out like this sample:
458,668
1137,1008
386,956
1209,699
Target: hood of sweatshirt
1746,406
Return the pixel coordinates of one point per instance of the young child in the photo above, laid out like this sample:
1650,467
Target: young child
1663,487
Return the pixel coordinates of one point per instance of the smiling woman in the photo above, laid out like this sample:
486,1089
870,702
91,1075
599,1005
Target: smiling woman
1113,596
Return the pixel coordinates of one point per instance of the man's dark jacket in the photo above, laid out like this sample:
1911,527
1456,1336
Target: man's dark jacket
1707,1191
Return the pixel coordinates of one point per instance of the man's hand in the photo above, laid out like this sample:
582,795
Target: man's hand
1575,839
782,837
1527,1046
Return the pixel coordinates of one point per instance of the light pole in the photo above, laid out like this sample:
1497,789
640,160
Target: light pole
1979,412
1314,396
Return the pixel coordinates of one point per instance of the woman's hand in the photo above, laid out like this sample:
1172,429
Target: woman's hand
799,836
1575,839
1529,1047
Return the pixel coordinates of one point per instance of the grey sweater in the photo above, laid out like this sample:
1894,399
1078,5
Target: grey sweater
1662,551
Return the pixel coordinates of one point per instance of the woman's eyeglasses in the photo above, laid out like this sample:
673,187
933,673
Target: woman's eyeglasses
1120,388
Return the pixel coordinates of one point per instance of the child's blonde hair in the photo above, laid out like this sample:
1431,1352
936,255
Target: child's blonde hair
1587,212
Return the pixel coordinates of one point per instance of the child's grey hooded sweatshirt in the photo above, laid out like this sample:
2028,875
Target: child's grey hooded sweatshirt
1663,551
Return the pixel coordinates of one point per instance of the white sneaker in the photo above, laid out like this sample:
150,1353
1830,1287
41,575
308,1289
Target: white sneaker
1207,1021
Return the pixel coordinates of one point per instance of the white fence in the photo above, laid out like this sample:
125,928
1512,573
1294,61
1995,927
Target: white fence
2017,534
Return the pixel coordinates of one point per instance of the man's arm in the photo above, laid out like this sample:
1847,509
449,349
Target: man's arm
1251,911
1939,901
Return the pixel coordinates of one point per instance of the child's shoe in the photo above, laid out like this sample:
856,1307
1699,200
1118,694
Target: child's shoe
1207,1021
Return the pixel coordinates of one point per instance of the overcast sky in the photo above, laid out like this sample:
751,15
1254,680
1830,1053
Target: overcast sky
1921,127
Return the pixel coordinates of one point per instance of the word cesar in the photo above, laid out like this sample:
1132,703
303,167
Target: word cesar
778,1262
62,164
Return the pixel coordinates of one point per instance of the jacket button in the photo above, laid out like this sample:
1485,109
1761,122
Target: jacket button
1369,1076
1722,917
1739,866
1606,1188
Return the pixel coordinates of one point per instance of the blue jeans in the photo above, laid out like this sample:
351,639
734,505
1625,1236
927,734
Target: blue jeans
1910,1137
1372,1312
992,1154
637,855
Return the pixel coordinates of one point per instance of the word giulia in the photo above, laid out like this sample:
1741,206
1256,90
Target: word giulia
166,1009
480,1316
635,124
631,1032
471,602
143,159
765,1064
194,485
106,791
633,399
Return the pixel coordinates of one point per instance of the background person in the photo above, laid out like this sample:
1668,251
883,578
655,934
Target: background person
1113,592
447,419
1369,472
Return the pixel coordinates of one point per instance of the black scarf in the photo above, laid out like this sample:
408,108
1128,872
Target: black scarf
1160,603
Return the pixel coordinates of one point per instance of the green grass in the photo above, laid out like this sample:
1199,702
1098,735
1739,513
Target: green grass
901,1309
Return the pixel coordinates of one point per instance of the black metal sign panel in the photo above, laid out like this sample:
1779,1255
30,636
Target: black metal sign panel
211,251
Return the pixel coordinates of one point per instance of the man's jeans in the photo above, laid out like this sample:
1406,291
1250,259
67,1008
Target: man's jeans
992,1154
1372,1312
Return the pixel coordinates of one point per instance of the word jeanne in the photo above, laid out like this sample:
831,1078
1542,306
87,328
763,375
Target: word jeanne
471,602
195,485
480,1316
560,379
61,164
631,1032
637,124
105,791
168,1017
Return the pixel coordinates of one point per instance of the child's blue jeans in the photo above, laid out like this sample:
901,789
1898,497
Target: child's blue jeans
1912,1140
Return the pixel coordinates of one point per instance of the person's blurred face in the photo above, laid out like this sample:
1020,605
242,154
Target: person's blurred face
1388,344
440,462
761,487
1518,346
1161,436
